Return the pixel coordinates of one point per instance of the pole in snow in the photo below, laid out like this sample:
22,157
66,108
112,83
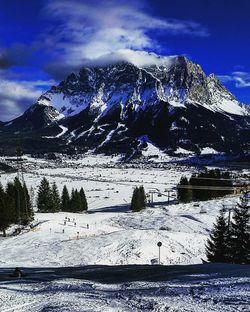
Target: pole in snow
229,217
159,244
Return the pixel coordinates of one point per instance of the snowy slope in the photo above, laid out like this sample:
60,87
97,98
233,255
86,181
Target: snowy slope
109,234
204,288
115,235
219,288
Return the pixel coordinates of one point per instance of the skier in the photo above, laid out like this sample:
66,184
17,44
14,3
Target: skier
17,273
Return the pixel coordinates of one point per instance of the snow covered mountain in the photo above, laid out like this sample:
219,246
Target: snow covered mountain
119,108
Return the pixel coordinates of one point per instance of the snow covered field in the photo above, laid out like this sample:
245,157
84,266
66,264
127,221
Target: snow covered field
202,288
109,234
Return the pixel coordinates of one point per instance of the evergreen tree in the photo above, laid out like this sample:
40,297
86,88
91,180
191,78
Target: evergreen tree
65,199
19,202
138,201
26,210
13,211
142,197
75,201
72,200
55,198
44,197
4,217
29,203
217,248
240,228
15,205
84,204
134,201
22,202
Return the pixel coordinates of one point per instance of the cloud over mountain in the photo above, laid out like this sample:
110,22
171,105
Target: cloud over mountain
96,30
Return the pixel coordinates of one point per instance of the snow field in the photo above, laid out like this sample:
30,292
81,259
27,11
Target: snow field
63,295
109,233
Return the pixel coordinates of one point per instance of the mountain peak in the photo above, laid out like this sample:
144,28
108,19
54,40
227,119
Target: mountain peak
173,104
175,80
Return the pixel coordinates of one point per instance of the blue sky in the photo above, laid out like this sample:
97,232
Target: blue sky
41,41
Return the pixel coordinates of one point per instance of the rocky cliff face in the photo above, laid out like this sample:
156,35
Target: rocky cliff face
121,107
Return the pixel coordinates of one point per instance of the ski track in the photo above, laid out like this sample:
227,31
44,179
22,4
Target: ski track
71,295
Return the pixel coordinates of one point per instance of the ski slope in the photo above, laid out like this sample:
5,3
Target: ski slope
199,288
109,233
61,255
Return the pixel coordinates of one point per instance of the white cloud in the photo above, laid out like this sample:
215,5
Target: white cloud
138,58
89,30
239,78
16,96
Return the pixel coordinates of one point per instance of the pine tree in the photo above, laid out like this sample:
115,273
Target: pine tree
142,197
134,201
240,228
55,198
217,248
15,205
75,201
78,201
72,200
19,200
4,218
65,199
29,203
44,197
22,202
138,201
84,204
26,210
13,211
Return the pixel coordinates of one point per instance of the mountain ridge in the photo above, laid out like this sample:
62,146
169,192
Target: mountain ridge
108,109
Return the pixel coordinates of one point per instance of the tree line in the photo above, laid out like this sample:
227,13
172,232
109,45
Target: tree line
209,178
49,199
230,241
15,205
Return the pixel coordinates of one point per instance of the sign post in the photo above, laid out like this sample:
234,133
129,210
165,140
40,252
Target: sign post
159,244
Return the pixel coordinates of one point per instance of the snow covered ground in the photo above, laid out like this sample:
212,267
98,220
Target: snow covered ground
202,288
109,234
